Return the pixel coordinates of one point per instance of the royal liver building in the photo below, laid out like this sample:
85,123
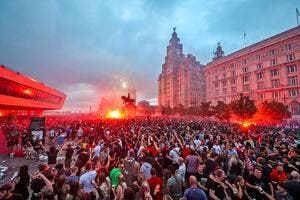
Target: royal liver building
181,81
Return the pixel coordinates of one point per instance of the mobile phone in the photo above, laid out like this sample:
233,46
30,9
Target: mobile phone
203,180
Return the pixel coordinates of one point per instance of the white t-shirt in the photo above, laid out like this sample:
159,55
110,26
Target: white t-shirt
86,181
97,150
197,144
181,171
145,169
52,133
216,149
174,154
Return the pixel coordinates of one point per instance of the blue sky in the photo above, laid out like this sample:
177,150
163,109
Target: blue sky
87,48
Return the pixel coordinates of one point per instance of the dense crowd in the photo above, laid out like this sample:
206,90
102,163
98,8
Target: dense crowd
159,158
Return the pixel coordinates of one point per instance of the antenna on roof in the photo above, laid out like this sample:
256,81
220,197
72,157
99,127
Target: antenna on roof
245,39
297,15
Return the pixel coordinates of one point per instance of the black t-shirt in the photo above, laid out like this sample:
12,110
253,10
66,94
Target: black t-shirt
52,157
219,191
293,187
262,182
210,166
14,197
69,153
37,185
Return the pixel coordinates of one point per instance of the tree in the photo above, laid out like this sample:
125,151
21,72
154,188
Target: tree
180,109
221,110
205,109
166,110
243,107
273,111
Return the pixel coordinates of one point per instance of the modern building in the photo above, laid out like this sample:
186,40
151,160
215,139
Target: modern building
23,95
267,70
181,81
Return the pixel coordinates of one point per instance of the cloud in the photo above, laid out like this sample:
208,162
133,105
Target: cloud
90,45
81,96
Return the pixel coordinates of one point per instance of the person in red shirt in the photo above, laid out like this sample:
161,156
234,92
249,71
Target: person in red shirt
186,151
278,175
156,185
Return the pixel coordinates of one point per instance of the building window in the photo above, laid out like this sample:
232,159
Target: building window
274,72
224,75
259,66
261,95
272,52
233,89
260,85
246,87
293,92
245,69
216,77
224,83
232,65
232,81
293,80
224,90
232,73
291,68
223,68
273,62
216,92
216,84
290,57
288,47
257,57
260,75
244,61
14,89
275,83
245,79
275,94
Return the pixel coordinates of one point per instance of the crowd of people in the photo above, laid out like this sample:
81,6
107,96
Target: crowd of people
160,159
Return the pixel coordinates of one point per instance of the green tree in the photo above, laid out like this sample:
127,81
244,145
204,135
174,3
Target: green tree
166,110
243,107
193,110
274,111
181,110
205,109
221,110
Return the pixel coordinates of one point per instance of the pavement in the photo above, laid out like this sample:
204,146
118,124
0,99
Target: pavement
13,165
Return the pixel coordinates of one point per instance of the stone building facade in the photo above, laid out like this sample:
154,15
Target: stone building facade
181,81
267,70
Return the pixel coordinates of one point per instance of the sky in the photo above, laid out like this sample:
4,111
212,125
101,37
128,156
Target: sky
88,48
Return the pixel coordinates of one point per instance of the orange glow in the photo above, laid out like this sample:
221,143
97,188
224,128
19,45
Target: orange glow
1,114
115,114
246,124
28,92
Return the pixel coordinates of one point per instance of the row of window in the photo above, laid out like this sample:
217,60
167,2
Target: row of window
10,88
246,88
292,80
274,72
271,52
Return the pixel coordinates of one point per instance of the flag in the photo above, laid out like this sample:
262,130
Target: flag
244,35
297,12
